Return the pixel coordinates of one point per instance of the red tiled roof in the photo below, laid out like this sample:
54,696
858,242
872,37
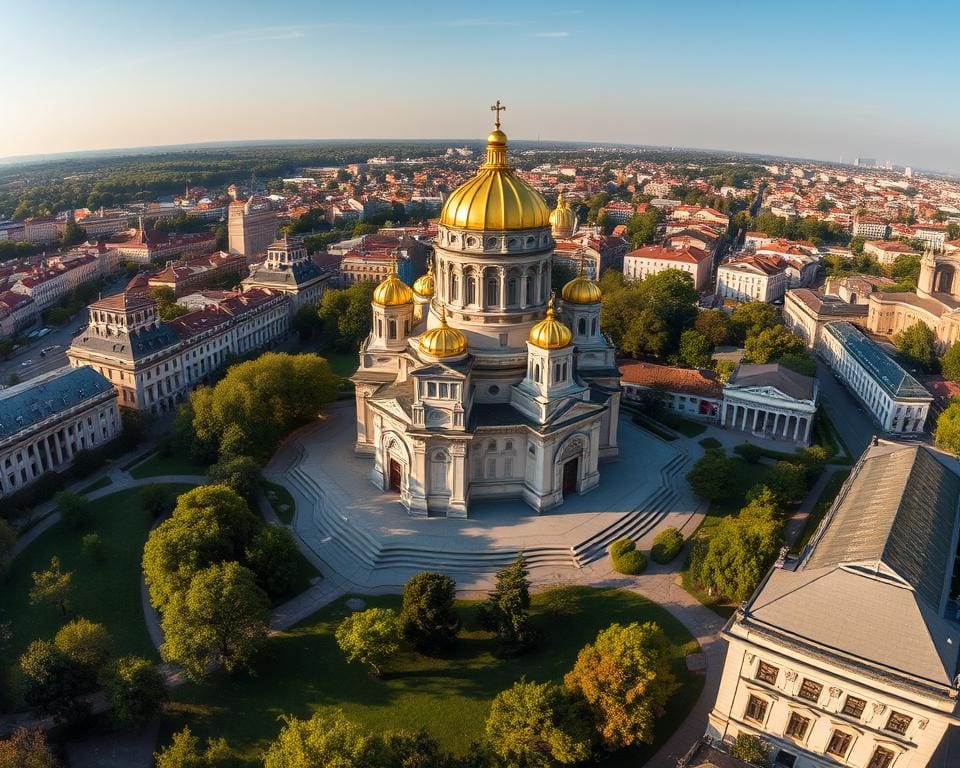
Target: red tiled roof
691,381
688,254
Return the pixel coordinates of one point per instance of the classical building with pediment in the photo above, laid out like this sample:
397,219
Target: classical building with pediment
770,401
476,384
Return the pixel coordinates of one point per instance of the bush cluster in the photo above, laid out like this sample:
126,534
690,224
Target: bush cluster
627,559
666,545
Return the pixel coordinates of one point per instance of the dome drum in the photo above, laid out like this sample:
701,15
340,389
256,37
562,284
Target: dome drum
470,241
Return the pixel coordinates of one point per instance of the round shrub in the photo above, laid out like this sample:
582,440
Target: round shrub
627,559
749,452
666,545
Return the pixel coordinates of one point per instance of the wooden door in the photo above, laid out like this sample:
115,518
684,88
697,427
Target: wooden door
571,472
395,475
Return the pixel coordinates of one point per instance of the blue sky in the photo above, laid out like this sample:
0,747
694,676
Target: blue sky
812,79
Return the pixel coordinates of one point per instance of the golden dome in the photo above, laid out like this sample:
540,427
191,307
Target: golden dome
581,290
495,199
424,286
550,333
392,291
562,218
443,341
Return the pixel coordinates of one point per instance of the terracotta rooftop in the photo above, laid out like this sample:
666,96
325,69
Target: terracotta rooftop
691,381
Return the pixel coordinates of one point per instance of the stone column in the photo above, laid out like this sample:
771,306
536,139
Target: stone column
524,277
502,279
796,429
756,413
46,451
458,501
56,444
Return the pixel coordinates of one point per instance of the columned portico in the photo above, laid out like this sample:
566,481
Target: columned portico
770,402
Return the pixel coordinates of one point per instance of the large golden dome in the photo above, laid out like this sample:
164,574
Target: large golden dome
495,199
425,285
562,218
581,290
443,341
392,291
550,333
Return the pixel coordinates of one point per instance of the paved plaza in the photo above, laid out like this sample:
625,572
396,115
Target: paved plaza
367,537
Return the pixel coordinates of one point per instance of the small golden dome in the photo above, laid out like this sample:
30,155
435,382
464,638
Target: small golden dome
495,199
392,291
443,341
581,290
550,333
562,218
425,285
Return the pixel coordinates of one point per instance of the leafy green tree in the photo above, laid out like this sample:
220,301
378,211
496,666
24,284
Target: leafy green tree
26,749
184,752
799,361
788,481
752,318
74,509
948,428
917,343
626,680
694,349
771,344
949,364
136,690
906,270
371,637
155,500
8,539
346,314
221,619
401,749
54,585
714,324
241,473
86,644
430,621
54,684
642,227
93,547
751,749
507,610
538,725
273,556
323,740
210,524
711,477
167,306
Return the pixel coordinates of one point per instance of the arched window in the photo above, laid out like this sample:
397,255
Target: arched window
512,291
393,329
493,292
379,328
531,281
439,472
582,326
593,327
536,373
564,372
471,297
454,287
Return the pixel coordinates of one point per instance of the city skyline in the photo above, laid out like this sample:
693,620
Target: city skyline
799,82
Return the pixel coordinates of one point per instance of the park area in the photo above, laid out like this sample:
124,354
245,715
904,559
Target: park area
302,671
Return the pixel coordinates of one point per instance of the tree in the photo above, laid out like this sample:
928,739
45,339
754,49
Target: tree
401,749
948,428
241,473
642,227
694,349
221,619
210,524
86,644
714,325
184,752
74,509
53,585
330,740
917,343
751,749
26,749
371,637
752,317
430,622
626,680
155,500
346,314
273,556
711,477
771,344
788,481
949,364
507,610
54,684
538,725
167,306
8,539
93,547
906,270
136,690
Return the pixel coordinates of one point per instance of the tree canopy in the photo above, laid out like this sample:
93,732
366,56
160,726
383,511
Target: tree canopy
430,622
370,637
917,343
948,428
346,314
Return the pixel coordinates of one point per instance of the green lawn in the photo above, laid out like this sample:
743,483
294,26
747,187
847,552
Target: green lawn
107,592
342,363
684,426
283,499
710,442
827,496
177,463
303,672
103,482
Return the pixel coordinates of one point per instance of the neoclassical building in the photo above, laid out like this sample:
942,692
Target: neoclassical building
474,384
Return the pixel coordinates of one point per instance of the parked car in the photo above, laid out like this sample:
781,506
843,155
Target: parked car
25,363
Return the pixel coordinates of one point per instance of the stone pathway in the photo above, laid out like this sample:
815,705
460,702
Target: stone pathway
797,521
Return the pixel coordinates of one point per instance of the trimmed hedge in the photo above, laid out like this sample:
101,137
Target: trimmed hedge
627,559
666,545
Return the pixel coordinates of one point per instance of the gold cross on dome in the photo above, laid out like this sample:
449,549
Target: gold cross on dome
498,109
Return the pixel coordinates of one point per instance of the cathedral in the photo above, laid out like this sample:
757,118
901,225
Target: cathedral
476,384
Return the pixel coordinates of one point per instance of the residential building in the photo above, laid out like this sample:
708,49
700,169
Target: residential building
17,313
143,246
932,235
806,311
691,392
770,401
43,229
887,251
870,227
752,278
652,259
203,272
251,227
847,655
618,211
46,421
289,270
104,222
896,400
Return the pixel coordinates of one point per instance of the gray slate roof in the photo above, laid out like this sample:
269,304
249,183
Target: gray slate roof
38,399
791,383
881,367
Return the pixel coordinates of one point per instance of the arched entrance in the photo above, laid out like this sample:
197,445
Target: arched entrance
571,473
395,476
570,464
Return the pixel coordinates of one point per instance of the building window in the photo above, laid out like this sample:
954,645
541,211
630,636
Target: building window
898,723
756,709
785,759
767,673
839,744
797,726
810,690
432,389
882,758
853,707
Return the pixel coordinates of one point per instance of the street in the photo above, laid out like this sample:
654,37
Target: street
850,418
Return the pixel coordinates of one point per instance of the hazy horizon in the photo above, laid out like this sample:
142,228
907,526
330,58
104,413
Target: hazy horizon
812,82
